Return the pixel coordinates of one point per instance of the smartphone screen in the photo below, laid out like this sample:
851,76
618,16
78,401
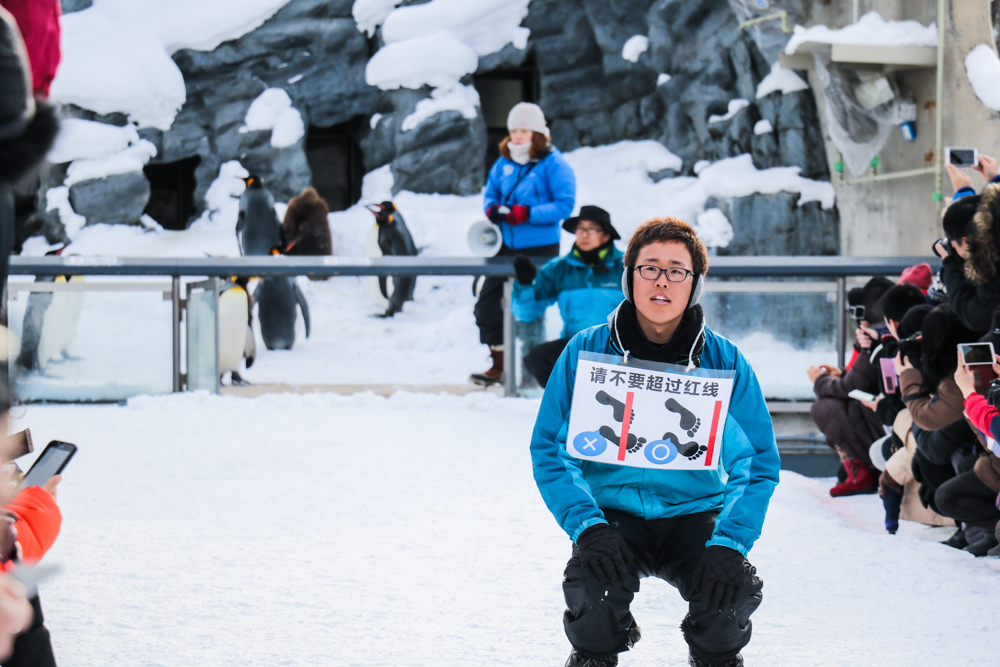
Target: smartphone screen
963,157
50,462
976,353
889,381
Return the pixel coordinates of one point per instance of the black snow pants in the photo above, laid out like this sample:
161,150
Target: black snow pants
542,359
597,619
965,498
489,308
33,648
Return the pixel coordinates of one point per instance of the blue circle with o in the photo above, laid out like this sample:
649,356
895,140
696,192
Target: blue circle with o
660,452
590,443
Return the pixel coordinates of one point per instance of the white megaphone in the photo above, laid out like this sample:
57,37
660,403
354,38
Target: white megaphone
484,239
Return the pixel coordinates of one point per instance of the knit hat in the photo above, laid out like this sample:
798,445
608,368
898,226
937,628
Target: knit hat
527,116
919,275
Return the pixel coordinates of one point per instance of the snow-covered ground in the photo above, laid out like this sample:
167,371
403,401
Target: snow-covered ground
362,531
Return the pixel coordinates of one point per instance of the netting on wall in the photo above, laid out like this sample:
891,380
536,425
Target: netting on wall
861,110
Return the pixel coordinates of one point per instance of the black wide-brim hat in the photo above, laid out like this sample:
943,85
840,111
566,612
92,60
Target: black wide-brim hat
594,214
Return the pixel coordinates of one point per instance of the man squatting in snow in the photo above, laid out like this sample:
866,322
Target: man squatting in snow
692,528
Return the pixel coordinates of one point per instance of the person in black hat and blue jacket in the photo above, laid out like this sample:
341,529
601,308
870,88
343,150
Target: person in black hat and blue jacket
586,283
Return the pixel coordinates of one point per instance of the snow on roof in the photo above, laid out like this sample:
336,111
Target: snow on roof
486,26
735,106
870,29
78,139
369,14
116,53
461,98
780,79
635,47
438,60
273,110
983,69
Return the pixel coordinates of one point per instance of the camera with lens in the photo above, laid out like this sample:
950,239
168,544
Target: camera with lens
993,393
857,313
912,349
947,246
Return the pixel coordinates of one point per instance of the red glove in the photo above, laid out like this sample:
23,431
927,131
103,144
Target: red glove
518,214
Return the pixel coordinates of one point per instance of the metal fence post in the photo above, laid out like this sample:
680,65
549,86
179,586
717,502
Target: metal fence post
841,321
509,360
175,298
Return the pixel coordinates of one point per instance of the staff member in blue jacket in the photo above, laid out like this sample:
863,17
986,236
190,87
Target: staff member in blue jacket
586,282
530,189
691,528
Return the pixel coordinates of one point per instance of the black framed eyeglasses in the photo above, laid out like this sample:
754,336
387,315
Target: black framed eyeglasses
674,274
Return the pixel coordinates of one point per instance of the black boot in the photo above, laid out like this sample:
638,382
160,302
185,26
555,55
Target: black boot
982,547
736,661
577,660
957,540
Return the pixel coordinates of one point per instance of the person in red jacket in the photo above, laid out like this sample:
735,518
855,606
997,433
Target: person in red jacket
38,21
974,494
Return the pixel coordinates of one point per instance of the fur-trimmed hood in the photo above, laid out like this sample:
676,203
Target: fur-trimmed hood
982,234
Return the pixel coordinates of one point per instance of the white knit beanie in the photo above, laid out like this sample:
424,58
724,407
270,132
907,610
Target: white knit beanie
527,116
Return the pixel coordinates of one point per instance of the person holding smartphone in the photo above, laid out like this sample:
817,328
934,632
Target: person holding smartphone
969,251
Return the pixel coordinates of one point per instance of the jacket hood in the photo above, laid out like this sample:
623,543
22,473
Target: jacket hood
980,266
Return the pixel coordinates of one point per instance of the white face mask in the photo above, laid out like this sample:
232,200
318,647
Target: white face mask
519,152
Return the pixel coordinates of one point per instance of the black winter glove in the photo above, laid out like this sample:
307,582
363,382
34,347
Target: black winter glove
524,270
719,578
603,555
494,214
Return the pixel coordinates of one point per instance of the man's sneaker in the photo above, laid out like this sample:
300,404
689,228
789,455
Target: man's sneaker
736,661
493,374
577,660
957,540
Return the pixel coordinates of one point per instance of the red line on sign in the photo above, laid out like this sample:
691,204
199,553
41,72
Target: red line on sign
623,443
711,436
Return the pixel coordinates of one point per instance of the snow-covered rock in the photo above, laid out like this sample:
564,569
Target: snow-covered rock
983,69
870,29
635,47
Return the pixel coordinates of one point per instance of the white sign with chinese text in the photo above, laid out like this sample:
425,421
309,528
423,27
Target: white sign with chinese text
648,415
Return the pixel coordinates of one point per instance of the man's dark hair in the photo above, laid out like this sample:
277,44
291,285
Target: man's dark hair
913,321
899,299
958,216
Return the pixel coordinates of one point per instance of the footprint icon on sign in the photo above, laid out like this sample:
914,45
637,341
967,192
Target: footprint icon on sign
690,450
617,407
633,445
689,421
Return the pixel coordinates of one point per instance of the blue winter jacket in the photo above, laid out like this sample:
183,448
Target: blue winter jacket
586,297
547,186
576,490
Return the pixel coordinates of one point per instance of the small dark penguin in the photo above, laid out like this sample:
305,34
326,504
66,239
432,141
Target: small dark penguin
257,229
306,228
276,299
394,240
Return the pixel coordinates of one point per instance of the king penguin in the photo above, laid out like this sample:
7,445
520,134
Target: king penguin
277,297
257,228
236,340
394,240
50,322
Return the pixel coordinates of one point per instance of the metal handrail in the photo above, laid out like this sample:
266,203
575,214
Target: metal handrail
721,275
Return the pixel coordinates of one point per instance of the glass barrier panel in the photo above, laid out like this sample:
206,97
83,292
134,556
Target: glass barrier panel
106,340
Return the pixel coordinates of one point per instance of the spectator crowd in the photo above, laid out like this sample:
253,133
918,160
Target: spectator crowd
911,417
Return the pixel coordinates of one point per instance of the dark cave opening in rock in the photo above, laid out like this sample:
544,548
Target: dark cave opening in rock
171,192
500,90
336,162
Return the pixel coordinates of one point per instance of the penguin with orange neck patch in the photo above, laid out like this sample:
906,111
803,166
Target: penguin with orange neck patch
258,229
394,240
